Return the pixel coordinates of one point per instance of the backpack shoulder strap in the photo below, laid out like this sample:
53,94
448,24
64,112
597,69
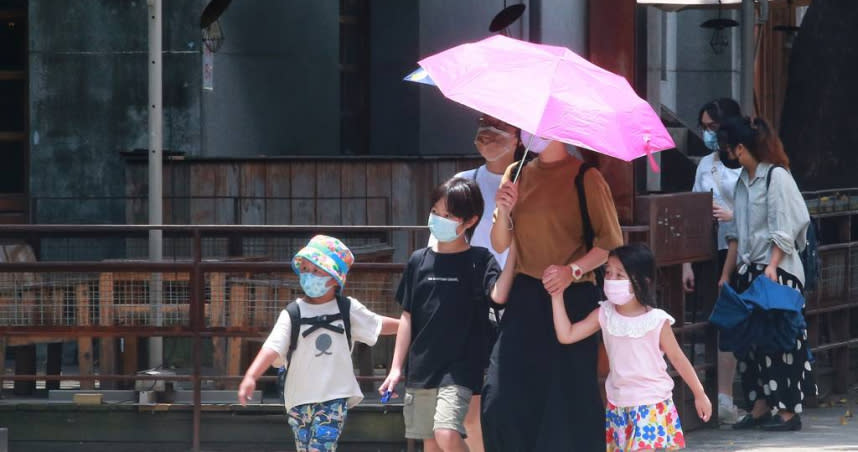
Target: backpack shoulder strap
344,303
589,234
295,328
769,175
476,172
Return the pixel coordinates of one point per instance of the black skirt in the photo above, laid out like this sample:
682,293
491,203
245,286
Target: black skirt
783,379
540,395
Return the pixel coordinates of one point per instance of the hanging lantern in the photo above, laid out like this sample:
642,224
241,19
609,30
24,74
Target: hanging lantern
718,41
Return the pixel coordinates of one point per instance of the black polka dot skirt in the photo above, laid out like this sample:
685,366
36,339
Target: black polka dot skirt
783,379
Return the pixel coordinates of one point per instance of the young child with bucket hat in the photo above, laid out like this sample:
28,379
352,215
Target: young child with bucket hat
320,385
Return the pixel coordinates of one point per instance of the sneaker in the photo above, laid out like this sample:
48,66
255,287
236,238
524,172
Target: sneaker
727,412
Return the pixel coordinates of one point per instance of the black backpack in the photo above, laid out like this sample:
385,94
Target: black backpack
810,255
343,303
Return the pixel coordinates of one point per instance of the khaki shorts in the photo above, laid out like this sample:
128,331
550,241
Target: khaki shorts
427,410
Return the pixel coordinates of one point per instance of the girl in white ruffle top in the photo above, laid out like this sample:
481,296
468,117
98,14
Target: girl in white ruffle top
640,414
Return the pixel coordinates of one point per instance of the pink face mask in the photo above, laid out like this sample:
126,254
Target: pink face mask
619,291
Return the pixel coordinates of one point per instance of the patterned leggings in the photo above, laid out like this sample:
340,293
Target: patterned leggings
317,426
783,379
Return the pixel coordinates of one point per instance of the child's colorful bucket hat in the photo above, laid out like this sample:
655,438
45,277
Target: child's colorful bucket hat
329,254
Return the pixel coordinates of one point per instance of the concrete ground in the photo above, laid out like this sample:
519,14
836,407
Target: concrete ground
827,428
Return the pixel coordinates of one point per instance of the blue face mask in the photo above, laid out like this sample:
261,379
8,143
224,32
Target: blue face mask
443,229
313,285
710,139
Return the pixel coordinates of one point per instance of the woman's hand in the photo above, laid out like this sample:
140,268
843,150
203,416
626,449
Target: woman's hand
771,272
245,390
687,278
506,197
723,281
721,213
556,278
704,407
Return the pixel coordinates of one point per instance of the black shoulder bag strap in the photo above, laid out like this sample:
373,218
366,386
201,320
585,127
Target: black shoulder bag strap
586,225
344,303
769,175
589,234
294,330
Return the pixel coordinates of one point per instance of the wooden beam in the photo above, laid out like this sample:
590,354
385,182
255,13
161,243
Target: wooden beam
237,317
217,305
107,353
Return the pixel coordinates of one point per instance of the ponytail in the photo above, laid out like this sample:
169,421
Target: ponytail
757,136
769,147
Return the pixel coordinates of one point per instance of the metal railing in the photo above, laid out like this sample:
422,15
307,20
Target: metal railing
212,209
227,300
214,290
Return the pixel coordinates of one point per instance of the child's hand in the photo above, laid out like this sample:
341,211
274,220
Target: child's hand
556,278
245,390
390,383
704,407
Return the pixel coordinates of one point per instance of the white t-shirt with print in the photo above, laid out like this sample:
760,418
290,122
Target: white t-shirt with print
489,183
322,367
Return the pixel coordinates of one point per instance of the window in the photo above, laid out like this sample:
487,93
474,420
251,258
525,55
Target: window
13,97
354,76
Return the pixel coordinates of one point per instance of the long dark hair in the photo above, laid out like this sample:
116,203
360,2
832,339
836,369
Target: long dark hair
639,263
520,148
463,198
719,110
757,136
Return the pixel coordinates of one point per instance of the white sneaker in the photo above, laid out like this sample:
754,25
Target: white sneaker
727,412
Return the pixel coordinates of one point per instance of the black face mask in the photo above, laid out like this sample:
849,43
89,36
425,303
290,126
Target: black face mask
727,161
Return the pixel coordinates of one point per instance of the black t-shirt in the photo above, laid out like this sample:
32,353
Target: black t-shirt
448,297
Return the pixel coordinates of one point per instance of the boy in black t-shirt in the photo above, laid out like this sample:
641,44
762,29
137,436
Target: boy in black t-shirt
445,295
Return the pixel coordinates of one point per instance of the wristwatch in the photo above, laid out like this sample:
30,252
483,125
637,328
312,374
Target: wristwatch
577,273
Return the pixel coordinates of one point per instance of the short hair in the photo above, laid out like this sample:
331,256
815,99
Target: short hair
463,198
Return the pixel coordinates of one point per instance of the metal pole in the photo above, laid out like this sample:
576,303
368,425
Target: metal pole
156,143
197,318
747,78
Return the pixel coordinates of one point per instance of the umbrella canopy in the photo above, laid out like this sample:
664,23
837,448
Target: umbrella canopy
550,92
766,315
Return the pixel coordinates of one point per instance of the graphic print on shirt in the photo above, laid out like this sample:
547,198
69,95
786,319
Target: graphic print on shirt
323,343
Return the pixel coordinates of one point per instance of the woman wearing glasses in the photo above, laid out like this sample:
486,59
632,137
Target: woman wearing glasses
718,175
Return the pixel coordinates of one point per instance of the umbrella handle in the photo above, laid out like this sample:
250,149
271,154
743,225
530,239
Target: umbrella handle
523,159
520,165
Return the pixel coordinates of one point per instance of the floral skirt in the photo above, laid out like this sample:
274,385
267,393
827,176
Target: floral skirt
645,427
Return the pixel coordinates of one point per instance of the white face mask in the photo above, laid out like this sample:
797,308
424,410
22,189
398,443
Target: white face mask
619,291
493,143
534,143
444,229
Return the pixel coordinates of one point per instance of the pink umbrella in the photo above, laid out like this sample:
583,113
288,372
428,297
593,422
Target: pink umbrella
550,92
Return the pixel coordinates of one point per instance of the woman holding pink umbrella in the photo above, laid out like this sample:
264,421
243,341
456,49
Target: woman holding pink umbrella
541,395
